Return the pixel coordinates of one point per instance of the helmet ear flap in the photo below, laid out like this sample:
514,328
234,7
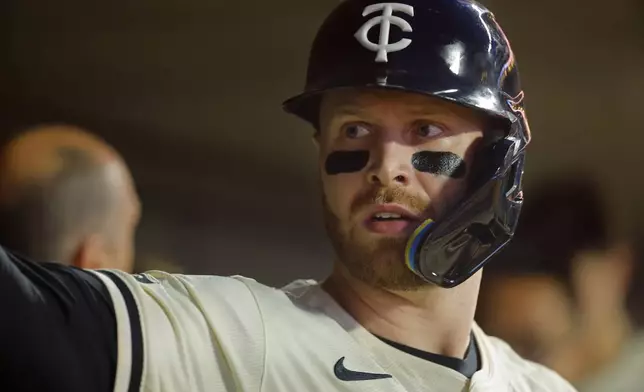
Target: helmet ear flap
451,250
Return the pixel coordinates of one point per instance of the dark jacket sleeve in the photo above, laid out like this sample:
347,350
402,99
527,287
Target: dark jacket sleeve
57,330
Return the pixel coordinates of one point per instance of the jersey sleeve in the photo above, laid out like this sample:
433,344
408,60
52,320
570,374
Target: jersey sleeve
59,329
199,333
66,329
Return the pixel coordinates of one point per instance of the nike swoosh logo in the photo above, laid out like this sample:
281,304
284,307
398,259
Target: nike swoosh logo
345,374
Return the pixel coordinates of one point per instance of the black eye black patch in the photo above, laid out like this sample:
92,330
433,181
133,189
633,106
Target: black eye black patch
346,161
439,162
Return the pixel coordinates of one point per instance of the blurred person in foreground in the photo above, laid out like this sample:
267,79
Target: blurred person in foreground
421,134
558,292
67,196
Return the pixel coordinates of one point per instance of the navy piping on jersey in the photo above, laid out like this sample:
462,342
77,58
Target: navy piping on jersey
467,366
135,328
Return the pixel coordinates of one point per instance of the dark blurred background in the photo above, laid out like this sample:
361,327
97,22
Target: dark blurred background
190,91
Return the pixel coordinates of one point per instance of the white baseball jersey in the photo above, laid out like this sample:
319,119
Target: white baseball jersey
211,333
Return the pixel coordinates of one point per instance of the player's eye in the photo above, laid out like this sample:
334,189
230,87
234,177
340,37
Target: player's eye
427,130
355,131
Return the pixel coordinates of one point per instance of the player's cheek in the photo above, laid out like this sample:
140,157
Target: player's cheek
467,147
342,173
440,190
431,184
340,191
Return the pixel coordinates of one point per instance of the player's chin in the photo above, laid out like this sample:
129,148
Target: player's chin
382,250
396,276
385,268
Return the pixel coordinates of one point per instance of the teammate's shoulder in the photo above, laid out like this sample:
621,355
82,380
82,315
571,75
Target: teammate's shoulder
524,375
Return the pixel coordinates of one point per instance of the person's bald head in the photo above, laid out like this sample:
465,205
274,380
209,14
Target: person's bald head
67,196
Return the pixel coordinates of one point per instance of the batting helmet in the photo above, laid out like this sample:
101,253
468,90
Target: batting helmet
449,49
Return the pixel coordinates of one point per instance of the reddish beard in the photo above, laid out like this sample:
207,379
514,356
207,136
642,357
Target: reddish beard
378,262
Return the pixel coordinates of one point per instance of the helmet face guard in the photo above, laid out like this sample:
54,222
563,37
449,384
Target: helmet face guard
452,50
449,251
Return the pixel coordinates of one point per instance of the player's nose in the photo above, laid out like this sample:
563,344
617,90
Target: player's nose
391,165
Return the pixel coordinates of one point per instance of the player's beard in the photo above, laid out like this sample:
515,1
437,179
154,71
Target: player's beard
378,262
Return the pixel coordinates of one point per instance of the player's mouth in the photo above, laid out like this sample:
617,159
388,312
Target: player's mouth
391,219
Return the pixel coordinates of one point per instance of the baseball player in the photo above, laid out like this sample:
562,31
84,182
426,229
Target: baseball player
418,115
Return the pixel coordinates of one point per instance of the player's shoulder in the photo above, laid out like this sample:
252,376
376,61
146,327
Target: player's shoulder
519,373
234,292
219,320
231,294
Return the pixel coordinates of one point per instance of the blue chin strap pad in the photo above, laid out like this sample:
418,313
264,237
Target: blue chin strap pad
414,245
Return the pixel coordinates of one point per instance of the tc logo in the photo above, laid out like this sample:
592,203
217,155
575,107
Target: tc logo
385,21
